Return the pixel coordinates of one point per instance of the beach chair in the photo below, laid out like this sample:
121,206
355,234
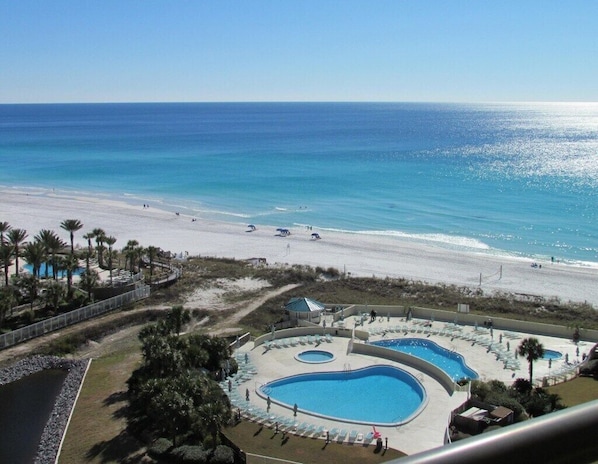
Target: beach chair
298,429
341,435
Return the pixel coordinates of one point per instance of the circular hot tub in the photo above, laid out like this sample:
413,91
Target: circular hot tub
315,356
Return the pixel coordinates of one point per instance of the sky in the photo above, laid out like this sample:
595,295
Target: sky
299,50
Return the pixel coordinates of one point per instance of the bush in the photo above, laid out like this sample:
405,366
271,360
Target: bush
188,454
223,455
160,448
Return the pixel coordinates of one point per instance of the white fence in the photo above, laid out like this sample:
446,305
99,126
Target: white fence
72,317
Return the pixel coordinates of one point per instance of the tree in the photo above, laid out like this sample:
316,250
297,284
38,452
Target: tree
16,237
5,259
532,350
8,300
35,254
177,317
152,253
45,237
71,226
110,241
4,227
100,236
132,253
88,236
70,264
53,295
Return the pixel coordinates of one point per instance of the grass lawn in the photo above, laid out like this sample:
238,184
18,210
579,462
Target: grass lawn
96,432
576,391
255,439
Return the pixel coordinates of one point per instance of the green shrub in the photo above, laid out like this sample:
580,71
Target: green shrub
160,448
223,455
188,454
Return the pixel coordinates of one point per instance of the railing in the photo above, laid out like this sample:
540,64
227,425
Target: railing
72,317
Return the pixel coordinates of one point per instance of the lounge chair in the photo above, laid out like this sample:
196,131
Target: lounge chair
369,437
353,435
328,338
333,433
341,435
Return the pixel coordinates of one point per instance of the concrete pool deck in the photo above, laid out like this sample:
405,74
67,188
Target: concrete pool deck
427,430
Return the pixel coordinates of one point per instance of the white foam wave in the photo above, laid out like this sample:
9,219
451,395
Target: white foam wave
443,239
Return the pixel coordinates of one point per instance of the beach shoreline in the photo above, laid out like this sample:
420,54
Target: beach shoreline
358,255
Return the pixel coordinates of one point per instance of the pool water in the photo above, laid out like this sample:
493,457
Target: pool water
552,354
449,361
377,395
42,270
314,356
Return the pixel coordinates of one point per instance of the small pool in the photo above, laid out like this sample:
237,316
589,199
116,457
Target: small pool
552,354
377,395
449,361
314,356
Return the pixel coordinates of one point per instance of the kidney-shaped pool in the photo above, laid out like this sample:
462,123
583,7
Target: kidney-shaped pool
378,395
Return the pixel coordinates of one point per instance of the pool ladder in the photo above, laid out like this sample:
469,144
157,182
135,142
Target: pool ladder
347,367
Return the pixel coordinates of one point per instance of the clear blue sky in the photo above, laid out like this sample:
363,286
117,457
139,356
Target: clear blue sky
299,50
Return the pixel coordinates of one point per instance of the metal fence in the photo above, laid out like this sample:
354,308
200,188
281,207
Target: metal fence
72,317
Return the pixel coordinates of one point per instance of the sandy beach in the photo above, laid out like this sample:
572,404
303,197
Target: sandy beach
357,254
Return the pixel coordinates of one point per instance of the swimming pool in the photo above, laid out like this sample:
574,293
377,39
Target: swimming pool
314,356
449,361
376,395
42,270
552,354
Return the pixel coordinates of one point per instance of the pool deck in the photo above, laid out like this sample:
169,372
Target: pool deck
427,430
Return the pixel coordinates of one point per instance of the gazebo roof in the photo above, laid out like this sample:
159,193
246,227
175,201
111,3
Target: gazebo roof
304,305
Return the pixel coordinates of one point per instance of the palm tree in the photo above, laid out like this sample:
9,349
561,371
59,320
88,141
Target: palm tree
88,236
70,264
152,253
55,245
71,226
47,238
110,241
4,227
100,236
16,237
131,251
532,350
5,259
35,254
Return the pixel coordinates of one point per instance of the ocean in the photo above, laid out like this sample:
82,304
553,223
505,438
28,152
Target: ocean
507,179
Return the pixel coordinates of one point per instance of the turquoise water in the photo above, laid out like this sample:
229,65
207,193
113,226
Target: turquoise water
378,395
50,268
511,179
552,354
449,361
